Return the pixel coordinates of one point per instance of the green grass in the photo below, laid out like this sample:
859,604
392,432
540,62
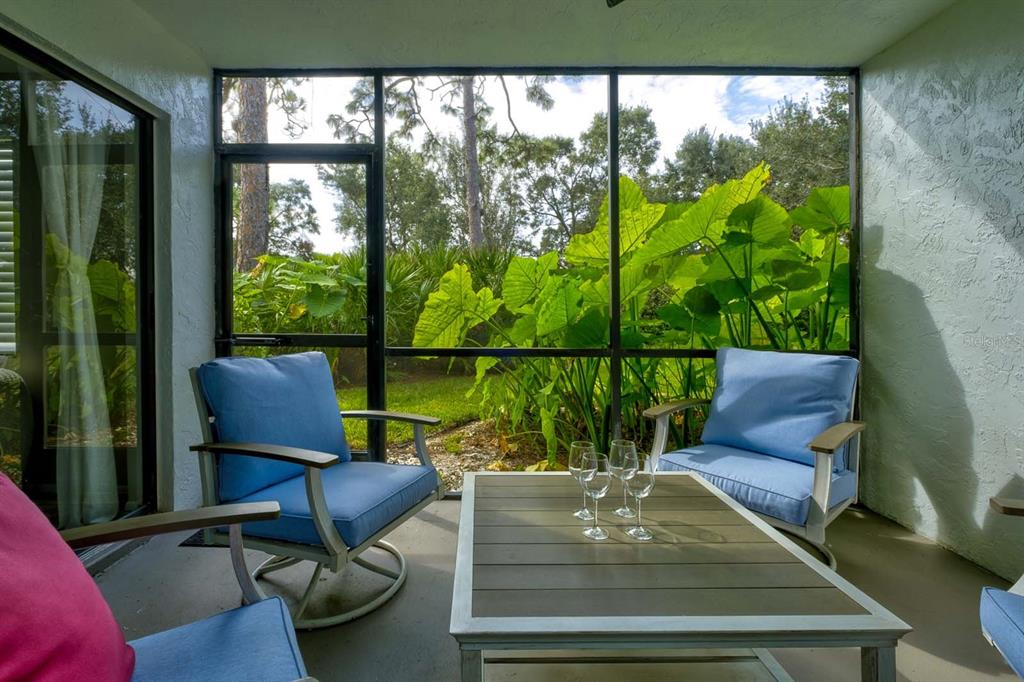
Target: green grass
442,396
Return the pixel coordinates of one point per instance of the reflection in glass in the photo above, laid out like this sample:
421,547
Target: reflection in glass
68,290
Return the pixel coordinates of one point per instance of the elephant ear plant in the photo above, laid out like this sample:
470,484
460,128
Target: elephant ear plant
732,268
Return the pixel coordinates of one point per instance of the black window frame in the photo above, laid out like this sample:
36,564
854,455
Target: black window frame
377,349
33,336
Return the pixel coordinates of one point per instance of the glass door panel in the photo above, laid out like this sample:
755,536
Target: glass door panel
71,272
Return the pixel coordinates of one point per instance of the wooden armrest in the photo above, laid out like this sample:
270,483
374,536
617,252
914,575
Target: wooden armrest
169,522
1004,505
676,406
833,438
283,453
392,416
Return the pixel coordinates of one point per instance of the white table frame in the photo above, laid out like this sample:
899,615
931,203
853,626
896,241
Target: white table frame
876,633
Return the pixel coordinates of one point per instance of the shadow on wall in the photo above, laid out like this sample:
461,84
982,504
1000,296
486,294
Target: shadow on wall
920,432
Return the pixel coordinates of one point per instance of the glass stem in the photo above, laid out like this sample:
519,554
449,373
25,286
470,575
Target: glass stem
584,500
638,505
595,514
625,498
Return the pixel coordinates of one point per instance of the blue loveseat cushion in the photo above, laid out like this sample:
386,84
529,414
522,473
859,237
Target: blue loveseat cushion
1002,619
772,486
284,400
776,403
254,643
362,497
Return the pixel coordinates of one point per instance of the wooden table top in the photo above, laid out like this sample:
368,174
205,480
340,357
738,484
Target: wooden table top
524,565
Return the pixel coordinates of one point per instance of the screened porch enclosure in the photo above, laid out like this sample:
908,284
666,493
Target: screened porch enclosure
457,230
775,246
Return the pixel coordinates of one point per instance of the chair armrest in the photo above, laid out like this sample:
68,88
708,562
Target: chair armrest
170,522
282,453
1004,505
391,416
673,407
833,438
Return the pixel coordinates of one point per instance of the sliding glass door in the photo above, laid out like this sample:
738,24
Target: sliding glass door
75,417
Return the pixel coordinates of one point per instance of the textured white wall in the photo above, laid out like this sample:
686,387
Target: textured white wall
943,279
128,50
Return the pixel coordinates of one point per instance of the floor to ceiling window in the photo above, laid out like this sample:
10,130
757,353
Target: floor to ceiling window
453,240
75,355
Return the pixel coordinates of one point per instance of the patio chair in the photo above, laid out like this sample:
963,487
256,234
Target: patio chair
273,431
779,438
1002,611
56,624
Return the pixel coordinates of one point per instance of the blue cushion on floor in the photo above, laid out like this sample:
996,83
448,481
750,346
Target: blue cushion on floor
776,403
283,400
253,643
1002,619
770,485
362,497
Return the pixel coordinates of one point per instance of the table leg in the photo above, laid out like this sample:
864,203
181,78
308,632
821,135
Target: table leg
472,665
878,664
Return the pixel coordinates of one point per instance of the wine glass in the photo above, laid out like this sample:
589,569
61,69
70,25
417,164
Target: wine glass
640,486
624,464
578,451
596,486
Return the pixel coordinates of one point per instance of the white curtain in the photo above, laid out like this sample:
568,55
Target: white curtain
71,167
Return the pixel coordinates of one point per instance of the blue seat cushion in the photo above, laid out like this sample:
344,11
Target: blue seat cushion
769,485
1002,619
283,400
254,643
362,497
776,403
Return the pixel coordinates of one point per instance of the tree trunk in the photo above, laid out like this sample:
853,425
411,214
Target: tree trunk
253,229
476,234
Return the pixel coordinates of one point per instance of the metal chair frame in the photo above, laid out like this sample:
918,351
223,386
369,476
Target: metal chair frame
333,554
824,446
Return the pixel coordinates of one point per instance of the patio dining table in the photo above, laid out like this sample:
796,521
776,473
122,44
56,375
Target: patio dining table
716,578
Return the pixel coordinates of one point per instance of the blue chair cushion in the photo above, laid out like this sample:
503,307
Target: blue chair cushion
769,485
254,643
1002,619
283,400
362,497
776,403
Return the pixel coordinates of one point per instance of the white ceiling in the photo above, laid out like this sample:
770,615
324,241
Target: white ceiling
325,33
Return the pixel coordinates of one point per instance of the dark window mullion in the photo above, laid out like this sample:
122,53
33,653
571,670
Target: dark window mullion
615,313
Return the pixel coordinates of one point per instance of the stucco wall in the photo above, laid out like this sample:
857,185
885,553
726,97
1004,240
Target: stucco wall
150,63
943,279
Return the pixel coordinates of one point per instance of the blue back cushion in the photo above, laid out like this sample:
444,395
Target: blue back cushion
776,403
284,400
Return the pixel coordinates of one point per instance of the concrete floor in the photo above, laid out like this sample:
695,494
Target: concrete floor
161,585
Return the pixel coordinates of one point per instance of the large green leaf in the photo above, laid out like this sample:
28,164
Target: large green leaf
679,318
701,302
323,302
559,306
765,221
840,284
705,219
792,275
634,282
524,331
525,278
637,217
590,331
827,209
453,309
